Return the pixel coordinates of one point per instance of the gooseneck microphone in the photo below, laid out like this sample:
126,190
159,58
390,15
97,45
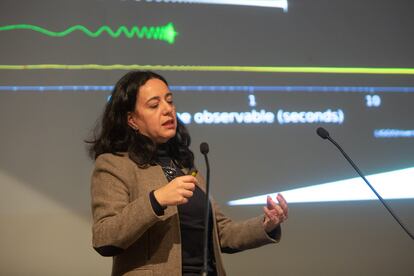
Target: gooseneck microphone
204,149
324,134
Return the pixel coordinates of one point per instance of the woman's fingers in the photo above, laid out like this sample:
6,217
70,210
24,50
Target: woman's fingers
283,204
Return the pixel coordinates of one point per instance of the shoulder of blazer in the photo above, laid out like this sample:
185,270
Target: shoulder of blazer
120,165
115,160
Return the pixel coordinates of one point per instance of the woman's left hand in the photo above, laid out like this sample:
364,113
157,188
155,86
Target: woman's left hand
275,213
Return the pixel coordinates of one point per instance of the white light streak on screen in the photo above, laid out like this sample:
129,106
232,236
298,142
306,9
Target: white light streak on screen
282,4
397,184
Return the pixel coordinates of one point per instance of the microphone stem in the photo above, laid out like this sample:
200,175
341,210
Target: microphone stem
206,219
372,188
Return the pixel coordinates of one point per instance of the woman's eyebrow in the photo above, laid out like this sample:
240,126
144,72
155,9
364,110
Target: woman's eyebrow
153,98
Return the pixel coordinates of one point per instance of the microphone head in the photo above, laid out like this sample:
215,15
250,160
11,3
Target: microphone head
323,133
204,148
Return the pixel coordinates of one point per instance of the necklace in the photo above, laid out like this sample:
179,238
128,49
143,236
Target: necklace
170,171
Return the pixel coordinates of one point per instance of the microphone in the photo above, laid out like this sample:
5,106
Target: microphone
324,134
204,149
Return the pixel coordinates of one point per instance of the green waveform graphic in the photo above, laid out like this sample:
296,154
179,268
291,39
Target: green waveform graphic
165,33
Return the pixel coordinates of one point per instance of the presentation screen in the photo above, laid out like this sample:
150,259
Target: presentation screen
254,79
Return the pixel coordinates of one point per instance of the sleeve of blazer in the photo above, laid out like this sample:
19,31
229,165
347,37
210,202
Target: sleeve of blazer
117,222
238,236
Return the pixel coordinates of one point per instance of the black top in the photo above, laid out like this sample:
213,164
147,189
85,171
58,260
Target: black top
191,217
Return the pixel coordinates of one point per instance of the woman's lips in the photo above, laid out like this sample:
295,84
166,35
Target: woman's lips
169,124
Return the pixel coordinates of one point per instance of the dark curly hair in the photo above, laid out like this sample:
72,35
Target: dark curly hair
114,135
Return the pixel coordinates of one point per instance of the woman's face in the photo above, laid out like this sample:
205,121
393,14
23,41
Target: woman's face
154,114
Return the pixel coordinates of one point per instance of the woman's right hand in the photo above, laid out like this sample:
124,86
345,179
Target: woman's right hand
176,192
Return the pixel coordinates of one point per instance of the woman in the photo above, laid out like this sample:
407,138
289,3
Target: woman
147,210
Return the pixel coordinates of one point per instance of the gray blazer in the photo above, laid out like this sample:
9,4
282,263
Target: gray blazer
151,244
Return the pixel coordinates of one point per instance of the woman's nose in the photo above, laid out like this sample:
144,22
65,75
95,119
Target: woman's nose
167,108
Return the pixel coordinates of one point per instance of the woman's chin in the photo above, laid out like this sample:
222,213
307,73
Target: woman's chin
166,136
